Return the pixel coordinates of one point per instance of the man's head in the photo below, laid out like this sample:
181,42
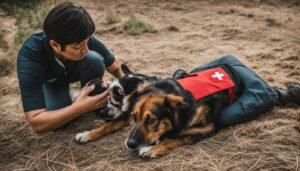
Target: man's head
67,28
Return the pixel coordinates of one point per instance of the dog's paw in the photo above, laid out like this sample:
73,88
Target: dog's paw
148,152
143,150
82,137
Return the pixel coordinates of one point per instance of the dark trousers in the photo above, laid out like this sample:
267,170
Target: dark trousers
257,96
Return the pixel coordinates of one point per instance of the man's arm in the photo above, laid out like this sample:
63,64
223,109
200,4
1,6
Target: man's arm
42,120
115,69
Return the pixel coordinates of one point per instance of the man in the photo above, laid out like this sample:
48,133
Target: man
65,52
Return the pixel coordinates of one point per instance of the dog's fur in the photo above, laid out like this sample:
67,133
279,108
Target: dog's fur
165,116
115,118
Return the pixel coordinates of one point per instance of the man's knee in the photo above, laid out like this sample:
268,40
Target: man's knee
94,62
93,58
92,66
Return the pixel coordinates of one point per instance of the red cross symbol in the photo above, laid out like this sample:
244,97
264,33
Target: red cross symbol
218,75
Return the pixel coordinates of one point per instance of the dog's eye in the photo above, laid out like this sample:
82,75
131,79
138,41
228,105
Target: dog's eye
150,120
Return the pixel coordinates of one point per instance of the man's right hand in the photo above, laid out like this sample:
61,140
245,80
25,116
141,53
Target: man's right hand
89,103
42,120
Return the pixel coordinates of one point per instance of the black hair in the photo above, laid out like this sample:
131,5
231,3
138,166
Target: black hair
68,23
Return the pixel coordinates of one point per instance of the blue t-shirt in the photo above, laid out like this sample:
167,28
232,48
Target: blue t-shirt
36,65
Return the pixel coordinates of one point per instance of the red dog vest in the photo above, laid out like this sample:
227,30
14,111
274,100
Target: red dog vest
208,82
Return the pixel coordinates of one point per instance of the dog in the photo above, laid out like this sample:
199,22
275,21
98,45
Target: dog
115,117
165,115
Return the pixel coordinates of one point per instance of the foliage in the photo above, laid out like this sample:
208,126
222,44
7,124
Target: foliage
271,22
30,15
134,26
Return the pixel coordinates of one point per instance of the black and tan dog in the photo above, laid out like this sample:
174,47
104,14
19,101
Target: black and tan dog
165,116
115,117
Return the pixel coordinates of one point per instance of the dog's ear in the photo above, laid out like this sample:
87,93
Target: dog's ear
135,95
173,101
121,91
176,107
125,69
142,89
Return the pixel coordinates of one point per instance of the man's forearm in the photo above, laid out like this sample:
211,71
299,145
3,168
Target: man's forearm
48,120
41,120
115,69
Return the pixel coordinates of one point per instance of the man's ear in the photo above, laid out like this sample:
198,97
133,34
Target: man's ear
55,46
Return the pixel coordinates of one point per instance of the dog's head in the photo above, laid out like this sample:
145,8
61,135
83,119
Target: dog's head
154,115
121,88
124,85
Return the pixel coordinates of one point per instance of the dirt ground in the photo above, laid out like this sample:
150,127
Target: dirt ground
263,34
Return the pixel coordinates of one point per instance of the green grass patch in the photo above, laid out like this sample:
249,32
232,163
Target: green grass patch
31,21
271,22
134,27
30,15
13,7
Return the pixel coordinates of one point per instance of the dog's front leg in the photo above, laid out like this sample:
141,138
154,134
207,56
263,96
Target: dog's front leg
188,136
163,147
105,129
198,133
203,131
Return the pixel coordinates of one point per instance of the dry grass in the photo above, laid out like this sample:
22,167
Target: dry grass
187,34
7,66
3,43
261,144
112,17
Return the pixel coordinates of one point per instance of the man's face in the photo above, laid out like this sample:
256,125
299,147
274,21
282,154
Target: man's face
74,51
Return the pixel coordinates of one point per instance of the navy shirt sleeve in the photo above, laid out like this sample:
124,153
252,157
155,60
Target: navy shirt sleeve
30,68
98,46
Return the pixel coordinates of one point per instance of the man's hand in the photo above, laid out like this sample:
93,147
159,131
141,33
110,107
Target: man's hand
42,120
89,103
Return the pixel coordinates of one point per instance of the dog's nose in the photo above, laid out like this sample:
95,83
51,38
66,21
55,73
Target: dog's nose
131,143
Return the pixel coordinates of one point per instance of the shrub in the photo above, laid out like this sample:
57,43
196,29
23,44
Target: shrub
134,26
30,15
271,22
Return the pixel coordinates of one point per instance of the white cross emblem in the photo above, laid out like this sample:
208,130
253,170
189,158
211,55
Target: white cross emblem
218,75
